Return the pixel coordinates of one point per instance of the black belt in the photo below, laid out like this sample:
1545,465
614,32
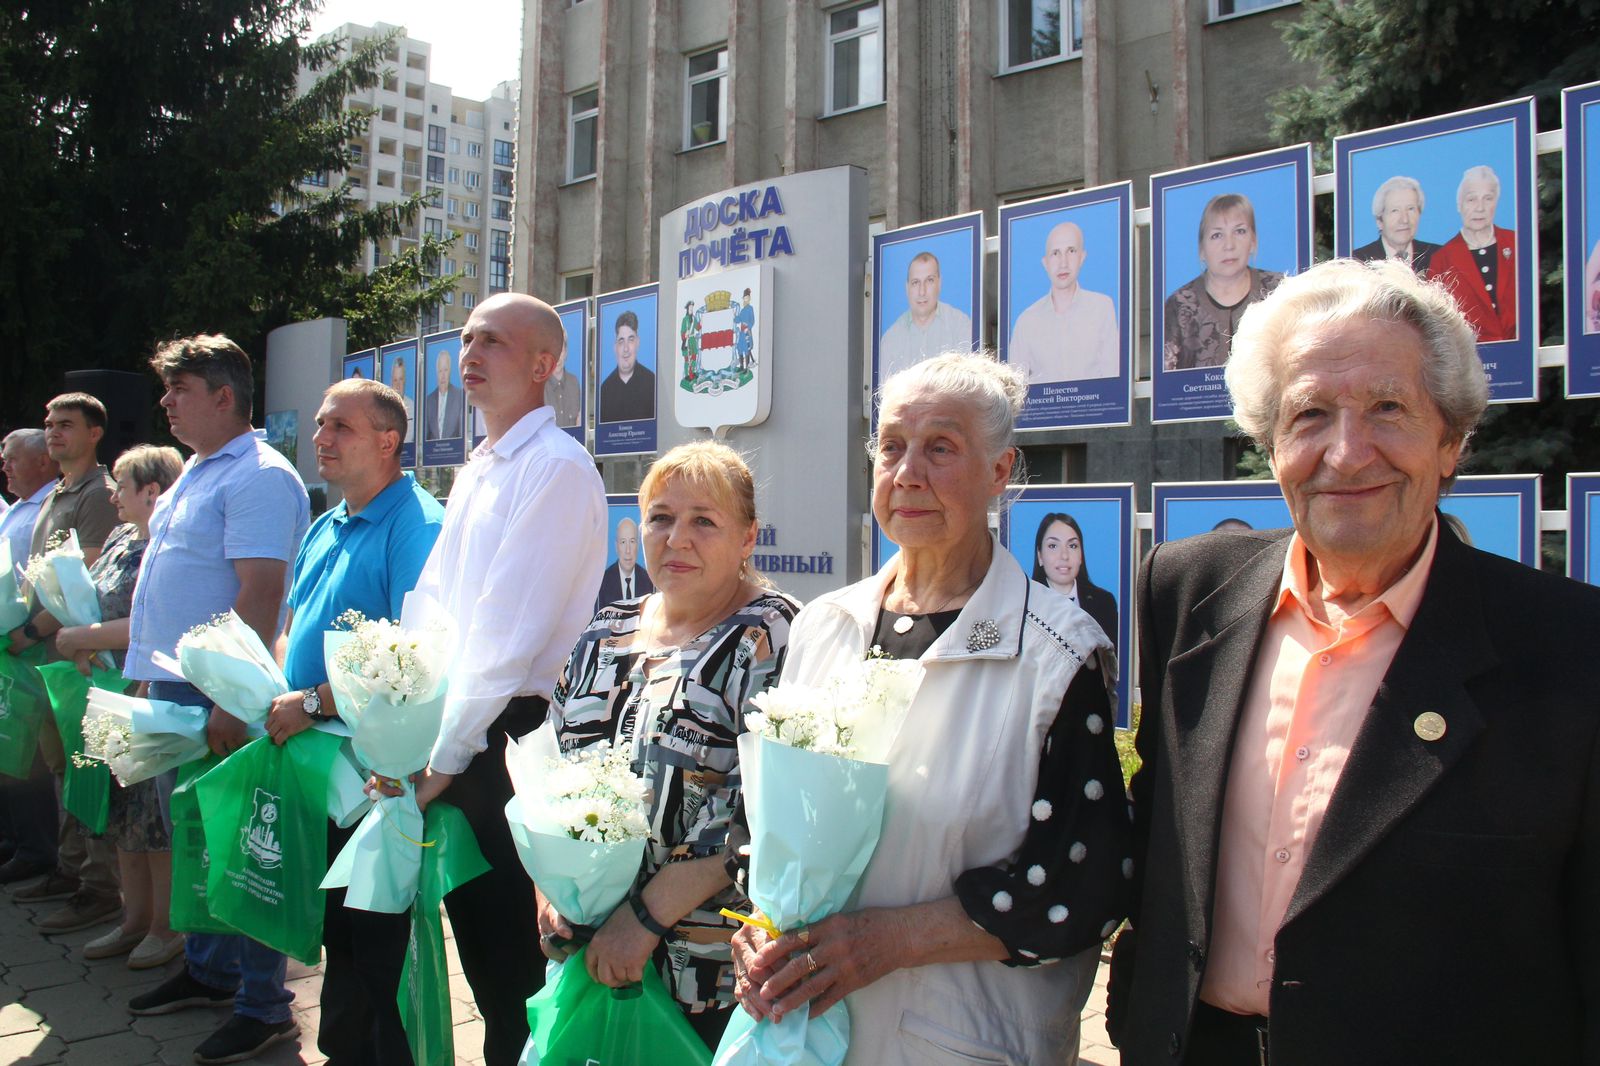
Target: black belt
1223,1037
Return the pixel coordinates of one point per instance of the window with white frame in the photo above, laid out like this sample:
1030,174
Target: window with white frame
470,208
453,205
449,264
455,146
472,242
455,175
1039,31
706,108
469,270
474,149
855,57
1221,9
469,300
583,124
474,179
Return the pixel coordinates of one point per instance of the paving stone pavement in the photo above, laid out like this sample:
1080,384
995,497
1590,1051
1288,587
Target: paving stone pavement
57,1007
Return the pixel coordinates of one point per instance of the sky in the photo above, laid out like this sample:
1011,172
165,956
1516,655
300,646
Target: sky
476,43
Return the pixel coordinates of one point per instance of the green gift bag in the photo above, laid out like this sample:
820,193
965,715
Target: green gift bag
265,813
450,858
86,789
191,862
22,708
576,1020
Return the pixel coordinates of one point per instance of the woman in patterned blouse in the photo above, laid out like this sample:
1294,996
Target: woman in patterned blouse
137,822
669,675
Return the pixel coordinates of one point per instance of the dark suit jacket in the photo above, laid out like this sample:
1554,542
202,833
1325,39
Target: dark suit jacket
628,401
1454,266
1099,604
1421,254
611,584
1449,912
453,406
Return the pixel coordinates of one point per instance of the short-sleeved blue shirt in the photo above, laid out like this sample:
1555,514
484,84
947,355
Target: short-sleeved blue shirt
243,501
365,562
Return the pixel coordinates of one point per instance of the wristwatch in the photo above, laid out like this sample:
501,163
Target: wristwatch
30,632
313,704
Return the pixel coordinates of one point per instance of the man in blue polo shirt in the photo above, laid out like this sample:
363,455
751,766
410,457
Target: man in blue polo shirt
221,537
363,555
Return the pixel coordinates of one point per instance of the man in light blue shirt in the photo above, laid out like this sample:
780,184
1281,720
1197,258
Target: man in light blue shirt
222,537
30,476
27,808
363,555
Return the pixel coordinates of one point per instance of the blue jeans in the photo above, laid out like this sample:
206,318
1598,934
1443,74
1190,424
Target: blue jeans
232,963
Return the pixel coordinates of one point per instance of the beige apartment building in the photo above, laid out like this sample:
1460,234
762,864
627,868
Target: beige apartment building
638,106
461,152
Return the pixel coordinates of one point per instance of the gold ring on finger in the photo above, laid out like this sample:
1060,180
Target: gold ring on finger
803,934
811,964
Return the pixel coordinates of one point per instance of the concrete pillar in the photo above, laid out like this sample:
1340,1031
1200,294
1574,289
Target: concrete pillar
740,159
1099,92
541,136
902,173
1188,19
801,44
660,88
611,195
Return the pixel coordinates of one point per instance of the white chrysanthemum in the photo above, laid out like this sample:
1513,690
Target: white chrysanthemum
1077,852
1057,914
1036,875
1002,901
1096,724
1127,869
1042,810
1094,789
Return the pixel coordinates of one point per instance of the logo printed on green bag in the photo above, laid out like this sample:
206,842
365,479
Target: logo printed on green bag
258,839
5,697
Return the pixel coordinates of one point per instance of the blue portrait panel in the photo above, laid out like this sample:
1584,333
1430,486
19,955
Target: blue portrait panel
443,413
927,292
1066,306
398,363
625,340
626,575
568,394
1581,133
360,365
1454,195
1496,513
1222,236
1583,527
1187,509
1078,541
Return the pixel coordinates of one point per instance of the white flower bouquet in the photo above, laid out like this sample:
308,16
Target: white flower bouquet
815,784
225,659
140,739
59,577
13,605
580,821
388,682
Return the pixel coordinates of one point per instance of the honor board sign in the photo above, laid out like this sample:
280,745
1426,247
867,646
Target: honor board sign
760,337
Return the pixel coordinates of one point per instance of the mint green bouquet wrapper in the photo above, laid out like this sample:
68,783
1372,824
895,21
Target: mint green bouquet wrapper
814,823
13,605
226,660
61,581
392,734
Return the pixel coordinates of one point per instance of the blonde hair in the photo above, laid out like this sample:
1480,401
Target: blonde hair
711,467
149,464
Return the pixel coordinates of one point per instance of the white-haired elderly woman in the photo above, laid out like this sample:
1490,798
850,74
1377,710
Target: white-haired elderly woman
1479,264
1004,859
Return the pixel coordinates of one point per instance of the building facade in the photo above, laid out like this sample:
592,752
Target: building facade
460,152
636,106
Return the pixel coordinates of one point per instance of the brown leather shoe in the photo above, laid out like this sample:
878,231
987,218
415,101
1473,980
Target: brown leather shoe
81,911
57,886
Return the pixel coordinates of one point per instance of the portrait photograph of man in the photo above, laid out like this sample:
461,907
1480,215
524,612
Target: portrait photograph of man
398,364
564,392
625,576
1397,212
625,346
444,404
927,292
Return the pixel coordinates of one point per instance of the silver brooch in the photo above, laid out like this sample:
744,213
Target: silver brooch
985,634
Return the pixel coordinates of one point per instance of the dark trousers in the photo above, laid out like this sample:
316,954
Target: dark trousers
1222,1038
365,952
493,916
29,819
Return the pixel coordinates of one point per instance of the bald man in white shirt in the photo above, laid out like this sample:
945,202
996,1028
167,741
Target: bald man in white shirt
1069,333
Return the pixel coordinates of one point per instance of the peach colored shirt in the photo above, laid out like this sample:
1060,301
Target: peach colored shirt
1316,674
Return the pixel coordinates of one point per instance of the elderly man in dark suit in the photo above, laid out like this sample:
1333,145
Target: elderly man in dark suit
1369,809
1397,209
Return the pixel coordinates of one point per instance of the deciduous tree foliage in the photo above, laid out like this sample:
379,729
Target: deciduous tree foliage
153,154
1388,61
